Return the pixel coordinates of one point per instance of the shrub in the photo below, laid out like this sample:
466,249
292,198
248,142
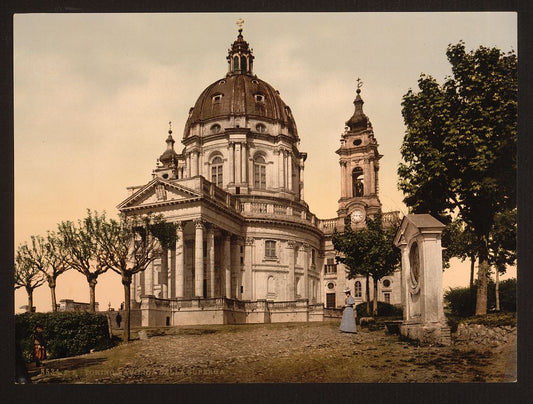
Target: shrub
66,334
462,302
384,310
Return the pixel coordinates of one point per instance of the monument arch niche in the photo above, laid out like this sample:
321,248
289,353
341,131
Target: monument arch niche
419,239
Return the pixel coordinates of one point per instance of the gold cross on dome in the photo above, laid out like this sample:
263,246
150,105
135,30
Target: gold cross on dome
240,22
359,83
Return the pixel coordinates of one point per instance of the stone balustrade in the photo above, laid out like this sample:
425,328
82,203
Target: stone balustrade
220,310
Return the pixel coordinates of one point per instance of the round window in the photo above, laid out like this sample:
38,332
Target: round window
386,283
261,128
357,142
331,285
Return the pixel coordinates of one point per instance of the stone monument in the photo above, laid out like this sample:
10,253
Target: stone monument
419,239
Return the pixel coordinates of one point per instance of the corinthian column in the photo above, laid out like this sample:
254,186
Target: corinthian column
199,258
248,277
180,255
231,162
291,245
305,249
238,163
226,266
211,261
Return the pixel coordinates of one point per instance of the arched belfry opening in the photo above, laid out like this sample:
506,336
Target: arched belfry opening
358,188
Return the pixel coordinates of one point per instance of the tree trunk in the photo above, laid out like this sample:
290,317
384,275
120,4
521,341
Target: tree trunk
92,301
472,267
53,293
126,281
375,308
497,290
30,299
367,295
481,296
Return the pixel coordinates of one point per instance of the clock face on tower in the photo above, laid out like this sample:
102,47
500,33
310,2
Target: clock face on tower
358,215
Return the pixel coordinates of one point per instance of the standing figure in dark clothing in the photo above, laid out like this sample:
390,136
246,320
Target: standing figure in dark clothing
118,319
39,345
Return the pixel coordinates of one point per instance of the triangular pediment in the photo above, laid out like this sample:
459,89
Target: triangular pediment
158,192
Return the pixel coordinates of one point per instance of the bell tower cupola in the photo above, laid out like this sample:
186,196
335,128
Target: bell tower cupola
240,58
359,161
168,163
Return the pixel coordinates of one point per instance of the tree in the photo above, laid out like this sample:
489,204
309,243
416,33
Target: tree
369,251
129,245
502,246
458,240
459,149
84,252
56,263
27,274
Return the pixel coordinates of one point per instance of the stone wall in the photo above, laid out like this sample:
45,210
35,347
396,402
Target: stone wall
477,334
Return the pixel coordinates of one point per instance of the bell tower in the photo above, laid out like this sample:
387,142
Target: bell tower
359,161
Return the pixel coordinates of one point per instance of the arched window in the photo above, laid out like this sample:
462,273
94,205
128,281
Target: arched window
259,173
357,289
236,64
243,64
357,182
216,171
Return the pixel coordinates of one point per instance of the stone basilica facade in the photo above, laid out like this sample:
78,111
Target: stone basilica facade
249,249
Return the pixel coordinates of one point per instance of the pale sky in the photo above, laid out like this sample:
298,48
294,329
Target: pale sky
94,94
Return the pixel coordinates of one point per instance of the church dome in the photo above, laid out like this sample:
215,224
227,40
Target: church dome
241,94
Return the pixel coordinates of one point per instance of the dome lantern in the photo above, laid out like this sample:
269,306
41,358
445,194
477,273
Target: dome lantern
240,58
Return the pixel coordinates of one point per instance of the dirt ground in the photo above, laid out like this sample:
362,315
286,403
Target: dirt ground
274,353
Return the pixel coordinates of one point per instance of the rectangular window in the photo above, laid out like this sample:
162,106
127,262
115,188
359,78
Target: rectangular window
270,249
216,175
330,267
387,297
313,256
260,176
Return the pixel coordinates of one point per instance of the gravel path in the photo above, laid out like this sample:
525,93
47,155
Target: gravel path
309,353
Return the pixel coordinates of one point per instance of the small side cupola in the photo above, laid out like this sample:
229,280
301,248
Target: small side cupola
358,121
169,164
240,58
169,156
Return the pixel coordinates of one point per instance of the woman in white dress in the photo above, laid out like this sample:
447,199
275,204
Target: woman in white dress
348,318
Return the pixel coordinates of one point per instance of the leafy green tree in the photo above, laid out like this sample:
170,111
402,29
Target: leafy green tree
459,149
502,246
85,254
27,274
369,251
129,245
